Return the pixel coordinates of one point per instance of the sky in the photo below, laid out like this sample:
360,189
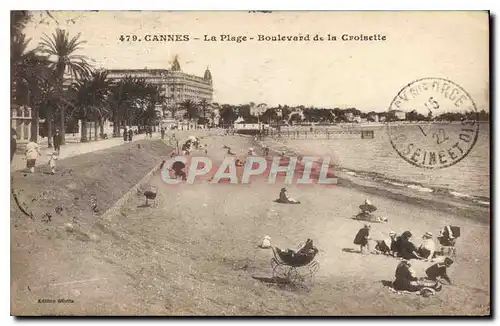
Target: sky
366,75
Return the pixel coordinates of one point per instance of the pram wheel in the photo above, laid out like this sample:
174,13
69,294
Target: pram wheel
298,277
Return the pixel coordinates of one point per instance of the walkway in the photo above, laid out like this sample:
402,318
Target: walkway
72,149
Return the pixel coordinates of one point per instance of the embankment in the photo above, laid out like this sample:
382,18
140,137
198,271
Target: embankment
47,247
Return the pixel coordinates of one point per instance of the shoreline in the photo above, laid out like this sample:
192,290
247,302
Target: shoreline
442,199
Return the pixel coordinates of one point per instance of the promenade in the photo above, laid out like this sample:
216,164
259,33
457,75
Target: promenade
74,148
71,149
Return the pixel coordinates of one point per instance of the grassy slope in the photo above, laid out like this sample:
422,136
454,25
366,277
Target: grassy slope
45,253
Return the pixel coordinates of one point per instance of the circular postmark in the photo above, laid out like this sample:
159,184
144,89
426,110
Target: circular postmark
432,123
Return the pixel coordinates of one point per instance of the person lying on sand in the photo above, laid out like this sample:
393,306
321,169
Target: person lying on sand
439,270
364,216
366,213
428,247
285,199
362,238
406,249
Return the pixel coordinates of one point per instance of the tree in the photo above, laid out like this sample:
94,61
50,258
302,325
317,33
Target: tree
269,115
227,114
204,106
149,95
430,116
413,115
61,51
192,111
89,99
32,81
123,101
295,118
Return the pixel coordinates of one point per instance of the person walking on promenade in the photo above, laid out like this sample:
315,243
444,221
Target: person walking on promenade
13,143
57,140
162,133
130,134
125,134
32,153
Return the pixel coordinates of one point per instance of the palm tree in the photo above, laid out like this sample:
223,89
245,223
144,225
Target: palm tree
173,109
122,101
89,99
61,51
31,80
204,105
191,109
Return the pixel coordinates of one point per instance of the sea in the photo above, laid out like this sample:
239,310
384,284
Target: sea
376,159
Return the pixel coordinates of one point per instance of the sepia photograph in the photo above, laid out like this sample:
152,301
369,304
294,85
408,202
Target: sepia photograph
250,163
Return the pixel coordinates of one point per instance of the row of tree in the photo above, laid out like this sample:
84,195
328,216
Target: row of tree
300,114
61,87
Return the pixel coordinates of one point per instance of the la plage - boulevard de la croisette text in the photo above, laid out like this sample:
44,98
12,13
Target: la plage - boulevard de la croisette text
259,38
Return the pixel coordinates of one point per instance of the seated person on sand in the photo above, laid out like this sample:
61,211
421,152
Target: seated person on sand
385,246
406,279
362,238
285,199
428,247
406,249
366,213
438,271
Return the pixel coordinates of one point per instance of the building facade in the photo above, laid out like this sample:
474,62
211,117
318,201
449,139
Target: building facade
398,114
176,86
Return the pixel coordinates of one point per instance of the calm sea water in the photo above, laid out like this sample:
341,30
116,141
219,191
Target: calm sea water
471,176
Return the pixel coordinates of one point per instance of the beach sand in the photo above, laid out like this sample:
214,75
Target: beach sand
197,253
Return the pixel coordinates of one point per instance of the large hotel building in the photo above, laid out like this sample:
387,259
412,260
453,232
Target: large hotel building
176,85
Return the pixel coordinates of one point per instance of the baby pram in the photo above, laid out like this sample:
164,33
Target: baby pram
295,268
447,239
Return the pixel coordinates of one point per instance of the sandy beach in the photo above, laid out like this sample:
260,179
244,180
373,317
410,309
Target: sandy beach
196,254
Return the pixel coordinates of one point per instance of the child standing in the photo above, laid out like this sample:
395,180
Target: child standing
52,161
362,237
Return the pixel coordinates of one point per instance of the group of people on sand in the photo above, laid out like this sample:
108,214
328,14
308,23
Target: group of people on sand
402,247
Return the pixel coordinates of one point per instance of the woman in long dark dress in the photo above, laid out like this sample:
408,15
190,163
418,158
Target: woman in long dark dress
407,250
362,237
125,134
